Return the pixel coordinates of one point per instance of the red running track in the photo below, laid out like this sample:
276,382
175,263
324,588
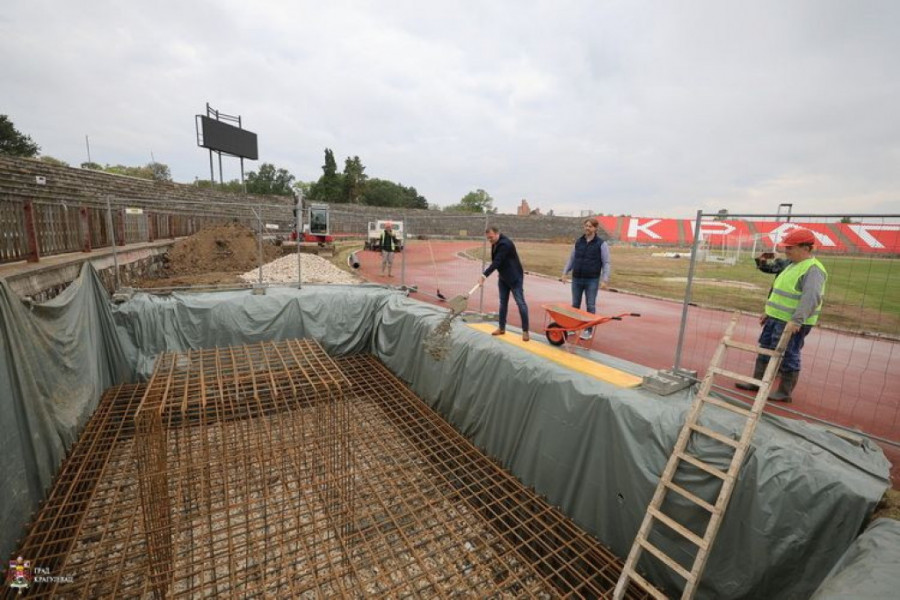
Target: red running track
847,379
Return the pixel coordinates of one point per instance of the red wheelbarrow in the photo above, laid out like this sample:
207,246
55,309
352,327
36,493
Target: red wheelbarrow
566,320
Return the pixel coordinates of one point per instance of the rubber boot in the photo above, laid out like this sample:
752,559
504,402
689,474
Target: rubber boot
759,369
785,387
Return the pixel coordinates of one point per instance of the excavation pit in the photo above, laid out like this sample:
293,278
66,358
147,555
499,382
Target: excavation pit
441,478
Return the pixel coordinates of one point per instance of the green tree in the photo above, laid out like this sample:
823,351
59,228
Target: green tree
354,179
14,143
92,166
304,188
54,161
154,171
478,201
381,192
329,187
234,186
270,181
160,172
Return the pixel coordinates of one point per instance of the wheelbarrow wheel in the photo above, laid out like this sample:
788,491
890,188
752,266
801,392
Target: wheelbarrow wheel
556,335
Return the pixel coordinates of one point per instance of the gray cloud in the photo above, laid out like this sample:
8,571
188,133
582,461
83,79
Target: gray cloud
653,108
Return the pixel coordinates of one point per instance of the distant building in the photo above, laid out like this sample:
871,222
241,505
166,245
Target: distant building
524,210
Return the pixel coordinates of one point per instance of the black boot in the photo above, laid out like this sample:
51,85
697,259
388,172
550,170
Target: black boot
759,369
785,387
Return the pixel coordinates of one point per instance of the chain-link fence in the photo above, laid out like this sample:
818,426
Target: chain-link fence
850,364
432,260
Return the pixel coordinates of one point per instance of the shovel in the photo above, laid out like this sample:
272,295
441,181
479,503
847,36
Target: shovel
459,303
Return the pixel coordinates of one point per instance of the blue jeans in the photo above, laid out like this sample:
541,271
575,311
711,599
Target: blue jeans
771,333
518,293
587,286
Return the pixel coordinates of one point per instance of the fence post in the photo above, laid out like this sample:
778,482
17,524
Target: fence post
171,227
151,227
120,227
34,251
85,229
406,222
109,224
687,294
484,250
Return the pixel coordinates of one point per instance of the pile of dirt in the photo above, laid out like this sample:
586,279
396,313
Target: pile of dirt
231,248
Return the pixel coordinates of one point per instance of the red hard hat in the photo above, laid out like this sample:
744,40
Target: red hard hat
797,237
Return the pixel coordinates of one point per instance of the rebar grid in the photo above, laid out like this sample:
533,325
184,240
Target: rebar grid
217,437
520,527
429,516
88,477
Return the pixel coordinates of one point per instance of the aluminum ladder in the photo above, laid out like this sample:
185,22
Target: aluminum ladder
680,456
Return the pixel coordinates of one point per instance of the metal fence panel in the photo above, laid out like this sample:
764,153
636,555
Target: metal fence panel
850,364
13,243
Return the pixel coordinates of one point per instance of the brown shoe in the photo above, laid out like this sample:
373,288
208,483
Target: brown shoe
498,332
525,336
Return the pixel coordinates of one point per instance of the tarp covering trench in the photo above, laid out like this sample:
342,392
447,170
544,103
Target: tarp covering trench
591,448
864,570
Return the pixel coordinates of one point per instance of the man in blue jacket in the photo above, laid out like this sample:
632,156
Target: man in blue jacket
510,275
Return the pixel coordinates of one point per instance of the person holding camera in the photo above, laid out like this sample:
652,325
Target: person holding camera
793,306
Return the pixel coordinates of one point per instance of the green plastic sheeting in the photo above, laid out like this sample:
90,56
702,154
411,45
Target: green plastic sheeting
597,451
56,359
869,569
592,449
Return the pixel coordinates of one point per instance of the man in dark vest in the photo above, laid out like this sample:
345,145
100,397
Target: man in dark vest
510,278
794,305
589,265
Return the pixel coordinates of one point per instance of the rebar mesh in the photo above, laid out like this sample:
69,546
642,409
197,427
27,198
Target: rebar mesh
265,512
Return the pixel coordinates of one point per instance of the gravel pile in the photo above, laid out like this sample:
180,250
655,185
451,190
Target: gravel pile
314,268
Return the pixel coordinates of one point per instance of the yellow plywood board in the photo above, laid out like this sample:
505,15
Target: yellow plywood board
564,358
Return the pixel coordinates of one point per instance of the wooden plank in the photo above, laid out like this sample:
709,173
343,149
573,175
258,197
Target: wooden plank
668,560
750,348
703,466
715,435
693,498
678,527
727,406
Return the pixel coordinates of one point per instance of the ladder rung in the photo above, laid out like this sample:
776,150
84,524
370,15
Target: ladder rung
750,348
647,586
716,436
727,406
684,531
685,574
736,376
695,499
702,465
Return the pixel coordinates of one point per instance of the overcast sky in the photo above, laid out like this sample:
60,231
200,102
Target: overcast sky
644,108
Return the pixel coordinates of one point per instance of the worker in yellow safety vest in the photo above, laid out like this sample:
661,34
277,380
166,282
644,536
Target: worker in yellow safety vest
389,244
794,305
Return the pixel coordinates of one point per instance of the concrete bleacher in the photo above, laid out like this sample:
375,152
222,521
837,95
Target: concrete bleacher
20,177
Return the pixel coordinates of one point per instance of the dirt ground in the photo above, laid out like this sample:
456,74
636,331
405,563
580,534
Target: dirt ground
889,507
212,256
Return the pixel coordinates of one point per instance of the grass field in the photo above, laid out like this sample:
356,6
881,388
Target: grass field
862,294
